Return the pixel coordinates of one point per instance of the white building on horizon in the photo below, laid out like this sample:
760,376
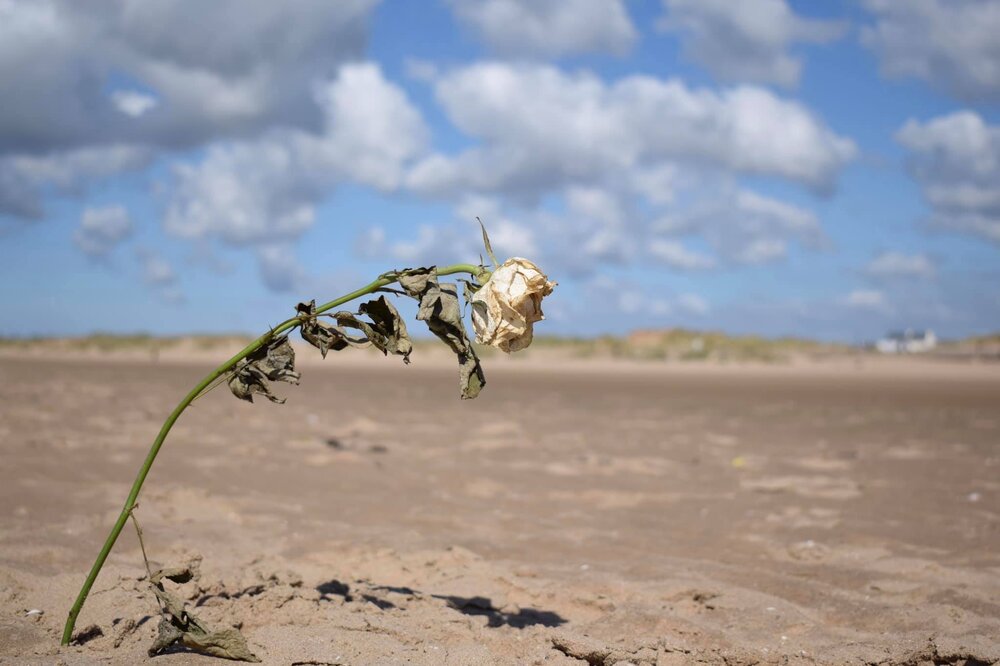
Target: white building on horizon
909,341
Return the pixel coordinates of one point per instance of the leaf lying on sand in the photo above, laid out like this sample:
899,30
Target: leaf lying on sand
274,361
440,308
179,626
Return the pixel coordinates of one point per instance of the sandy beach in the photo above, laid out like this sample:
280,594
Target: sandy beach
595,513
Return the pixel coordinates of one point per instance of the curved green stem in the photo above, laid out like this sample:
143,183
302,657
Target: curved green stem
133,494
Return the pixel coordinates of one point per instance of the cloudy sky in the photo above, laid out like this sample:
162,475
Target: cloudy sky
770,166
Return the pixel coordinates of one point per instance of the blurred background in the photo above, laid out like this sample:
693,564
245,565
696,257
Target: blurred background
820,170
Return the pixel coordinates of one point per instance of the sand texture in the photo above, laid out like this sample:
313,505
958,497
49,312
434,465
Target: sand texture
569,516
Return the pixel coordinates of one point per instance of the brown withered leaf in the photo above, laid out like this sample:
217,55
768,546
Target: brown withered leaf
386,331
274,361
440,308
179,626
392,337
320,335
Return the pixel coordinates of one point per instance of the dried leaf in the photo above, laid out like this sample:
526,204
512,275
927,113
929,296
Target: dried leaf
320,335
274,361
226,643
391,337
386,331
187,573
439,307
179,626
486,242
166,635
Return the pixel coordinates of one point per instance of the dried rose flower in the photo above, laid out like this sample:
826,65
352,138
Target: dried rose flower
506,307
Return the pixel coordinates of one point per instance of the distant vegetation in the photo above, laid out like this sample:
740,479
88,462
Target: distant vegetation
111,342
675,344
678,344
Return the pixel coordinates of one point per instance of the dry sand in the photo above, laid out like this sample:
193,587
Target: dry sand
593,515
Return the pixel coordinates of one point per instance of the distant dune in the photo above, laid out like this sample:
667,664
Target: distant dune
645,345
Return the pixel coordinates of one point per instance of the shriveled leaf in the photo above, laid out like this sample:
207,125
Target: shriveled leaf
226,643
278,361
320,335
170,604
486,242
414,281
440,308
166,635
247,381
274,361
179,626
392,337
187,573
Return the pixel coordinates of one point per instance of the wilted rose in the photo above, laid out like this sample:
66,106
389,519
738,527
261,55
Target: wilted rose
505,309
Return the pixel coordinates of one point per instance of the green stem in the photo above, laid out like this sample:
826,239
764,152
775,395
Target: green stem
133,494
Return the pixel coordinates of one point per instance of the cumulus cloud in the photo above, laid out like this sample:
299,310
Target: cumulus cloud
743,226
24,178
101,230
952,44
263,192
206,79
623,297
956,160
541,128
133,103
214,80
891,264
549,28
748,40
157,272
674,255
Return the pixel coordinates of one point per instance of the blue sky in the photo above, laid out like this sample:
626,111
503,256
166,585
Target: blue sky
829,170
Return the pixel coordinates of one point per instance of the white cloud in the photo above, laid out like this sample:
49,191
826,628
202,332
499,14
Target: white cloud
743,226
675,255
242,193
956,161
433,245
133,103
891,264
748,40
209,79
549,27
263,192
156,271
952,44
101,230
867,299
641,304
371,130
449,243
540,128
215,78
25,177
614,296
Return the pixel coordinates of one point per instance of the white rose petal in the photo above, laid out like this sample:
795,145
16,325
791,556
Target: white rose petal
505,309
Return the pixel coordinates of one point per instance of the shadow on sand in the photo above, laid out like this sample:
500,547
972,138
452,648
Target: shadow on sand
524,617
